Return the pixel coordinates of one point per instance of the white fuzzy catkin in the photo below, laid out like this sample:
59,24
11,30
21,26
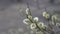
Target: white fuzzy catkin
57,24
25,21
27,11
36,19
29,16
41,24
44,14
33,26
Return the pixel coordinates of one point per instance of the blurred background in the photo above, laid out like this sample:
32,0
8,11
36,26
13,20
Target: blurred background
12,13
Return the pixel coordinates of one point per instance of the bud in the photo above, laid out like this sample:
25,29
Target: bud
44,13
33,26
41,24
36,19
30,17
54,17
26,21
28,11
47,16
58,24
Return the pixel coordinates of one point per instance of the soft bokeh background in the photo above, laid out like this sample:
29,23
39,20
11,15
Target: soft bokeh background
12,13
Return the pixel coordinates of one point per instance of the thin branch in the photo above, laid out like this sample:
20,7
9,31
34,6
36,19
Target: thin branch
27,4
28,7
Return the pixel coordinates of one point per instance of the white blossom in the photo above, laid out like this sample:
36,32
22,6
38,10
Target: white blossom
44,14
36,19
41,24
33,26
27,11
47,16
29,16
26,21
54,17
57,24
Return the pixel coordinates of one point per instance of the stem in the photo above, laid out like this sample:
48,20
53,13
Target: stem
30,12
31,20
37,27
28,6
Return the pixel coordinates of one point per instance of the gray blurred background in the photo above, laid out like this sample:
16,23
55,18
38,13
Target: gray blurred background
12,13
